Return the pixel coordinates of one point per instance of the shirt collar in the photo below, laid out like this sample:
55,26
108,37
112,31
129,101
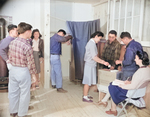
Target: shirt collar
23,40
130,42
35,41
112,42
93,40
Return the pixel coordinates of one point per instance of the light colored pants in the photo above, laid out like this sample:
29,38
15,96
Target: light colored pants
19,90
56,73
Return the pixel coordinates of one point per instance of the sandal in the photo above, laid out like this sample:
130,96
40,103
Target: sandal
112,112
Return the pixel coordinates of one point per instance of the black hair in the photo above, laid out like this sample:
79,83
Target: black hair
36,30
125,34
113,32
98,33
61,30
144,57
11,27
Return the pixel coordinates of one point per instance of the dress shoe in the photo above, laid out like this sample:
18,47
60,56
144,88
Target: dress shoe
61,90
90,97
54,86
112,112
85,100
13,114
30,108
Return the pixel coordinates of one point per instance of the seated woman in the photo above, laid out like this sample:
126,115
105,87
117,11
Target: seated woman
140,80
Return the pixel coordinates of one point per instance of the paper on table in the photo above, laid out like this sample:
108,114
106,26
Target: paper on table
113,70
117,82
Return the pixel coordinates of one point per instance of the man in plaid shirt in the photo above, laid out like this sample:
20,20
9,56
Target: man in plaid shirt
22,65
111,51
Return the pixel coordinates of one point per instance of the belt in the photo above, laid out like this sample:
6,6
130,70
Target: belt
54,54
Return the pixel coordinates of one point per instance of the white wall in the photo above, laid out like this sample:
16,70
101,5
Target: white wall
82,12
68,11
100,12
23,11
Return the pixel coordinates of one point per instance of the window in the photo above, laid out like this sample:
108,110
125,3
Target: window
132,16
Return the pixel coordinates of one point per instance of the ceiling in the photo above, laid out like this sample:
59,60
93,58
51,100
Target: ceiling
81,1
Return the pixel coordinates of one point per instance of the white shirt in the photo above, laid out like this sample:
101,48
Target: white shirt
35,45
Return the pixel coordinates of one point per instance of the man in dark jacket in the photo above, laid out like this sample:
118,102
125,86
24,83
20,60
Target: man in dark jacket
129,65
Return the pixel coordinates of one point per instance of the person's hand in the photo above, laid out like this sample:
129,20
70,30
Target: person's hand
112,68
33,78
118,62
127,82
68,42
120,85
106,63
8,65
41,60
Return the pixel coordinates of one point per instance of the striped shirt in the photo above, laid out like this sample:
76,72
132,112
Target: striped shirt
21,54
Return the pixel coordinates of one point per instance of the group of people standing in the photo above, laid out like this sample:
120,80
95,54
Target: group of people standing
135,73
22,50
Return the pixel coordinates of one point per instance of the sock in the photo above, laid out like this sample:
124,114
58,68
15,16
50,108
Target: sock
86,97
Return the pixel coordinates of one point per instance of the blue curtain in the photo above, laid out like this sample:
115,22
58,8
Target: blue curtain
81,32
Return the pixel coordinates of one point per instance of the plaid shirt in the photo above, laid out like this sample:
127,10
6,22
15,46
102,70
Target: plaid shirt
21,54
111,52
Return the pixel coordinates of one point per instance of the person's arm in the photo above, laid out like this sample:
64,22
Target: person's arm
3,49
136,80
129,58
42,49
103,52
97,59
93,52
64,39
30,61
117,54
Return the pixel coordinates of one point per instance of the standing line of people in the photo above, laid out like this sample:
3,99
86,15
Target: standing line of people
22,54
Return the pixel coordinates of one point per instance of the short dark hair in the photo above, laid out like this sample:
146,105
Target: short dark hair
11,27
36,30
144,57
125,34
113,32
23,27
61,30
98,33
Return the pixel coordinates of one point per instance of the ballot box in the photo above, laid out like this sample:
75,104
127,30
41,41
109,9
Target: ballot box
105,76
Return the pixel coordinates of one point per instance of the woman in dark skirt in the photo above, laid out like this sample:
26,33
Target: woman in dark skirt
38,52
140,80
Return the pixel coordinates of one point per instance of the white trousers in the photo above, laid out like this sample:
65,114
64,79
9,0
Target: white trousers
19,90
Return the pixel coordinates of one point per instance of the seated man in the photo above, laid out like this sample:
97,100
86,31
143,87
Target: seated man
111,51
140,80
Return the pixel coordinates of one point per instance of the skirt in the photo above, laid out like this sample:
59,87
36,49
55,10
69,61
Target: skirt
89,76
37,61
118,94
